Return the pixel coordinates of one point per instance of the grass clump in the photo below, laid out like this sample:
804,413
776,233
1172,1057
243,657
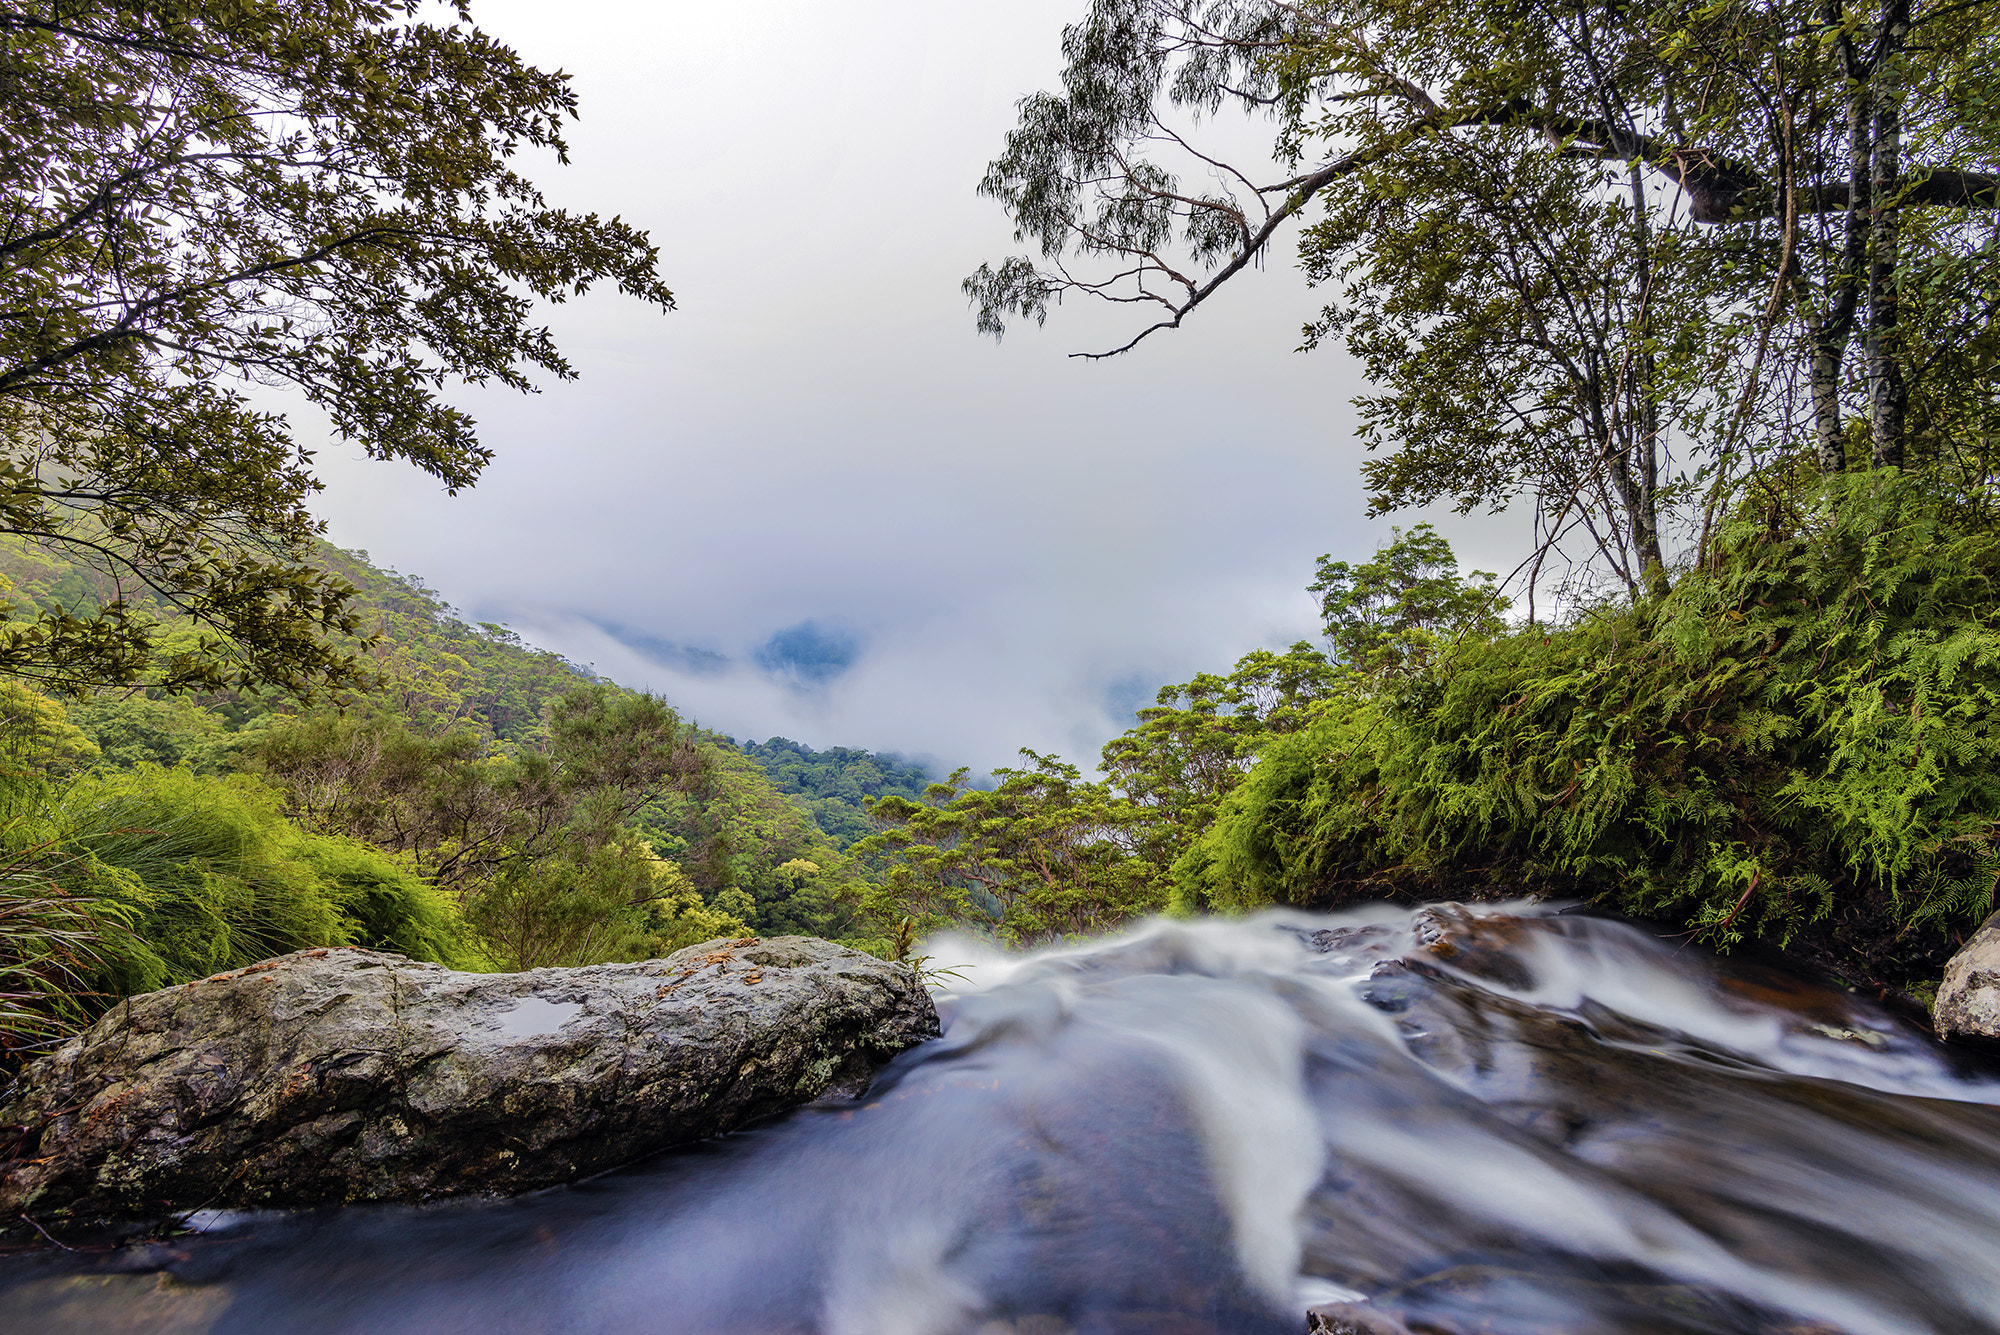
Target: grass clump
115,883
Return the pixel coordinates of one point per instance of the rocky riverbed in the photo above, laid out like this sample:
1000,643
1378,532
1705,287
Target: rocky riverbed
1491,1120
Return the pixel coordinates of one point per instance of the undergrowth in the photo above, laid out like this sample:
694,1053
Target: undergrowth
1809,719
117,883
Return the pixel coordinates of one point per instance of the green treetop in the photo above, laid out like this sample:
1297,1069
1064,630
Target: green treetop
1387,617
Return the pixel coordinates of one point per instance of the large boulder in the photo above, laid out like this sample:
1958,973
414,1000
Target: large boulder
352,1075
1968,1000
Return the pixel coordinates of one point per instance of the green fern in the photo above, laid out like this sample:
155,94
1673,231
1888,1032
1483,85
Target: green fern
1805,716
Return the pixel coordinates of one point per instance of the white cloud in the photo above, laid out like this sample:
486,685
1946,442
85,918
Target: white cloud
1011,537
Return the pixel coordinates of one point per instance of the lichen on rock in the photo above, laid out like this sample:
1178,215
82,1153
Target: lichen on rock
1968,999
353,1075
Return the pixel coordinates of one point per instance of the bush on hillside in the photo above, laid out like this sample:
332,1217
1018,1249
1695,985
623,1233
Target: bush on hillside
1806,727
595,904
117,883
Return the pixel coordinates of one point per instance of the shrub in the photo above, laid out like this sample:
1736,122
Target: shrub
209,868
50,945
1810,718
131,881
385,905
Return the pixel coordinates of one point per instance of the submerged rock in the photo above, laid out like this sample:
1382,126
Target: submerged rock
1968,1000
353,1075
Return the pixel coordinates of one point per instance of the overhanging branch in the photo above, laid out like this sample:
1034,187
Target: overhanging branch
1720,190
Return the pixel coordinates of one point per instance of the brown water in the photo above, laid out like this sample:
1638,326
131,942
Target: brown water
1508,1123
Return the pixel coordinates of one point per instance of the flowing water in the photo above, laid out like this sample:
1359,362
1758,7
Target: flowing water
1499,1121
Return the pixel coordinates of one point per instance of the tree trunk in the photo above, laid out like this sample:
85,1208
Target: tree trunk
1888,394
1827,355
1643,483
1830,334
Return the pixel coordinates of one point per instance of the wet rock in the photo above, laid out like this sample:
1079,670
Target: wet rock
1351,1319
352,1075
1370,938
1968,1000
1491,947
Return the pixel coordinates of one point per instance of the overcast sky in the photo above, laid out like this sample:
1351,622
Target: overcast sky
811,502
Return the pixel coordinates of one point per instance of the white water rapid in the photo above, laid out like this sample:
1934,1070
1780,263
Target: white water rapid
1504,1120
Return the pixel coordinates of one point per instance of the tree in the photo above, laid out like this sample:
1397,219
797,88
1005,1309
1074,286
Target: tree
1801,742
1046,854
1194,744
1387,618
1614,256
616,901
37,738
538,846
200,199
1042,856
464,815
744,843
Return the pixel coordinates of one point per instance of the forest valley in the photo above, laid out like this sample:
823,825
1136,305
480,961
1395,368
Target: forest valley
1707,291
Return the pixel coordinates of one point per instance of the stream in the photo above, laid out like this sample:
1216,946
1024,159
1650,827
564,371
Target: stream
1507,1120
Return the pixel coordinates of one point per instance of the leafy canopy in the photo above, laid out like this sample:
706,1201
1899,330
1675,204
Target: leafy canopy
203,199
1389,616
1612,258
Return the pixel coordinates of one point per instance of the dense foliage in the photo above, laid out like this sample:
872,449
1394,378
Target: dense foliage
1805,730
536,844
1608,260
484,803
1041,856
1798,745
126,881
1711,285
837,783
754,850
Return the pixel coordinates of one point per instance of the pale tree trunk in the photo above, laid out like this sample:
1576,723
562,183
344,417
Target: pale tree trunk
1641,484
1831,332
1828,352
1888,394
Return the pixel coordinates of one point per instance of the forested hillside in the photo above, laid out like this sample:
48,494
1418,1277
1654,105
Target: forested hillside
838,784
427,665
439,673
